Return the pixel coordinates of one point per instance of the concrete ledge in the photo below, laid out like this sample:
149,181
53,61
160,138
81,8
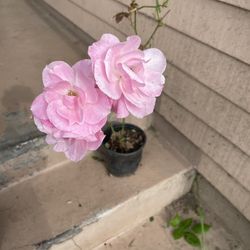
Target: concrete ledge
62,201
131,213
153,233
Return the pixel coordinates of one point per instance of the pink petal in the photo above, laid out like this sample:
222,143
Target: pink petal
133,42
76,149
93,145
139,112
130,45
39,106
98,49
131,74
57,71
58,121
96,112
153,83
155,60
135,96
132,57
73,115
44,126
84,79
111,89
110,66
50,139
61,146
58,89
120,108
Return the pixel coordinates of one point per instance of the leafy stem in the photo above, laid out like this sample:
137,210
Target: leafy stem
135,24
132,14
159,24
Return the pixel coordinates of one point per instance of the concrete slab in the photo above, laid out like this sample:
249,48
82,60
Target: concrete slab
69,196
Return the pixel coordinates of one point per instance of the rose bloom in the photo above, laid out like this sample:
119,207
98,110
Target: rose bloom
132,78
71,110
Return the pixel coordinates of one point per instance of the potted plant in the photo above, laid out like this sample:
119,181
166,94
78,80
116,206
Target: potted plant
120,77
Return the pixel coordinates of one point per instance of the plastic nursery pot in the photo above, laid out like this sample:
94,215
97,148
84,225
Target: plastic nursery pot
122,164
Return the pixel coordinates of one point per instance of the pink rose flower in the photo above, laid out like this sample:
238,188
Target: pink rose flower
71,110
132,78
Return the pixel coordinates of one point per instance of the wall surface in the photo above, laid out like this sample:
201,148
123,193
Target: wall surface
205,107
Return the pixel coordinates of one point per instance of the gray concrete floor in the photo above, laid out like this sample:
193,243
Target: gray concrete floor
155,234
30,38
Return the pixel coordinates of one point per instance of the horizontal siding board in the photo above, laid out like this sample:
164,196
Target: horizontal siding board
227,155
91,24
213,109
105,10
234,192
221,26
209,66
244,4
217,71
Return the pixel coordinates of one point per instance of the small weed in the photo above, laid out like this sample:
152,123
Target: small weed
191,231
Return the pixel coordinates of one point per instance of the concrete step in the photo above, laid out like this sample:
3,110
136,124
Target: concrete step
153,234
71,205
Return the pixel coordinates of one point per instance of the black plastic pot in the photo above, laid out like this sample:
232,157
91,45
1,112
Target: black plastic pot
121,164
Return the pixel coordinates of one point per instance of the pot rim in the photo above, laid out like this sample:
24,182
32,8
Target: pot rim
126,124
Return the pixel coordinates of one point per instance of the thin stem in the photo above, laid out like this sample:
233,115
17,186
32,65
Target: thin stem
135,25
159,24
112,128
123,125
152,35
150,6
202,218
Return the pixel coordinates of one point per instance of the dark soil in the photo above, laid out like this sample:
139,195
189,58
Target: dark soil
125,141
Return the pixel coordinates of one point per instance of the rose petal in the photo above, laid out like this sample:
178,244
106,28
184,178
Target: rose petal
98,49
57,71
93,145
140,112
76,149
39,106
120,108
153,83
111,89
58,121
154,60
84,79
96,112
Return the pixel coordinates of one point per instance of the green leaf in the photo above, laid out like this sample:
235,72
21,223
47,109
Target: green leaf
175,221
178,233
197,228
192,239
185,224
